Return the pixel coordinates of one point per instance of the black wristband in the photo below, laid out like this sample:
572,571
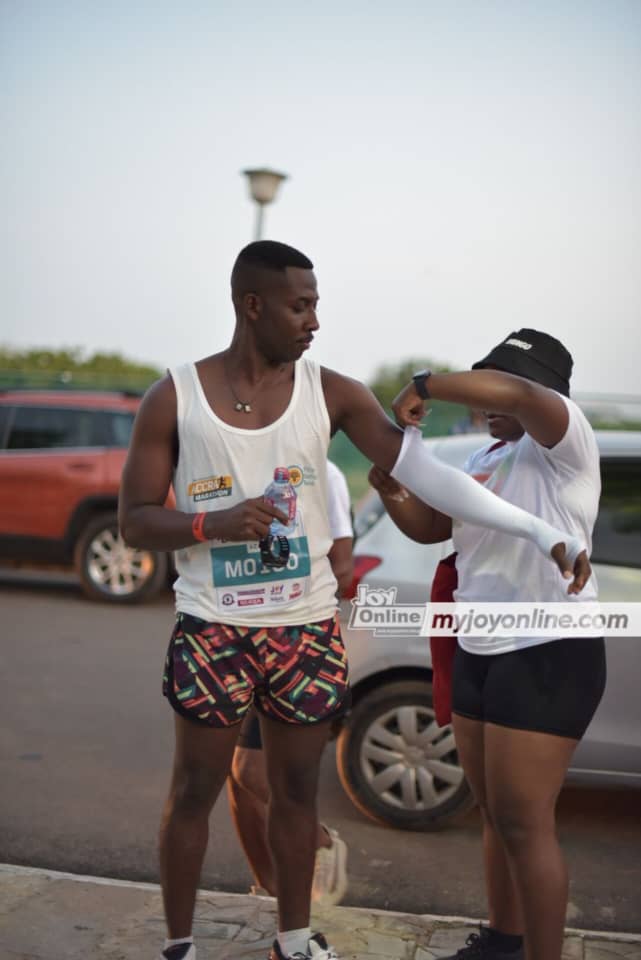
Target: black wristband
274,551
420,383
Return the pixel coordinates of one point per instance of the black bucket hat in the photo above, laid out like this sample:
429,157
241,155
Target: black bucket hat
534,355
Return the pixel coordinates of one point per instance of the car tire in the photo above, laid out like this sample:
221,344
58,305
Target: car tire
111,571
396,765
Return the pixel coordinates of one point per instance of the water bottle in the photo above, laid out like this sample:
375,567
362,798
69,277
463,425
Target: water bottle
282,496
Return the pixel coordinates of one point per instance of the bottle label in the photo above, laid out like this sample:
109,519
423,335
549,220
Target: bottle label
286,503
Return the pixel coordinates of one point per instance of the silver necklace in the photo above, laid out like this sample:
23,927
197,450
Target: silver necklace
243,406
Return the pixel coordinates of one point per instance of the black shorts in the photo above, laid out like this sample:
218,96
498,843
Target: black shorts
552,687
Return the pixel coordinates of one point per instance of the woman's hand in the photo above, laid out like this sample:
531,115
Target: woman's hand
387,486
409,409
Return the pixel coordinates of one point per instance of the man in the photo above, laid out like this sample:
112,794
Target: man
519,704
247,786
248,628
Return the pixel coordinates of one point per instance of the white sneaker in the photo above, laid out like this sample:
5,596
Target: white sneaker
329,884
317,949
181,951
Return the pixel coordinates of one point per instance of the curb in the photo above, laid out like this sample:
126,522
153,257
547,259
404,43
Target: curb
436,919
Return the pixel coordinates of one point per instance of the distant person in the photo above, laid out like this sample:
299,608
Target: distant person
473,422
247,626
247,785
520,705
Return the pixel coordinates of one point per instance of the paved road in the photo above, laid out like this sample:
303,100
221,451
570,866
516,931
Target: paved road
85,748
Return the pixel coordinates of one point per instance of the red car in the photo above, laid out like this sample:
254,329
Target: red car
61,457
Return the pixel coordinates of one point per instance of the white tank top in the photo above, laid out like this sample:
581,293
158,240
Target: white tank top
218,467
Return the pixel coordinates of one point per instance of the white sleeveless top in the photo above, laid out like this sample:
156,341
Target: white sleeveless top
218,467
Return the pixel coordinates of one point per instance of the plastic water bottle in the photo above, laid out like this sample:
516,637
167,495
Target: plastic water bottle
282,496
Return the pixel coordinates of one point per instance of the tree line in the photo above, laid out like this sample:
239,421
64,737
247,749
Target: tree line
72,368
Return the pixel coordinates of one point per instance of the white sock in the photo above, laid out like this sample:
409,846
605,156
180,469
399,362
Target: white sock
294,941
459,496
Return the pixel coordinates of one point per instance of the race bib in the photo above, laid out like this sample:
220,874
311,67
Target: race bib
242,583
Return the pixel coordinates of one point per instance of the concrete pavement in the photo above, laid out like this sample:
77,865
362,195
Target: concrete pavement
46,915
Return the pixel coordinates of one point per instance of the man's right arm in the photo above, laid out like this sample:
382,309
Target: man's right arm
145,521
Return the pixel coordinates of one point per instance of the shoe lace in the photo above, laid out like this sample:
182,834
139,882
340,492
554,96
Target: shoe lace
473,947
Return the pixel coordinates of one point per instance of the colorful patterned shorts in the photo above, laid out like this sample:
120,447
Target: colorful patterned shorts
213,672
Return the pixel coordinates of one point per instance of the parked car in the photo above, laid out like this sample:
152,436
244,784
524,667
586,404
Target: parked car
61,457
395,763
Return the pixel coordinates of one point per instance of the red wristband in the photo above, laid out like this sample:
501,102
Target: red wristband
197,527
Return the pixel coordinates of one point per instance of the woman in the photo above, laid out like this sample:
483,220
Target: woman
519,705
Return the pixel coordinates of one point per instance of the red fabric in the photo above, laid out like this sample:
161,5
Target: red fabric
443,648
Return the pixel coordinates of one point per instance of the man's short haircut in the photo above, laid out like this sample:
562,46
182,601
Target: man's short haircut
264,255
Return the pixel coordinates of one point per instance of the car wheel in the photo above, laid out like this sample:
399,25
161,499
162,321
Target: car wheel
396,764
110,570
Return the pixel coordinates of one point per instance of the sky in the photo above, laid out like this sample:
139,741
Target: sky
456,170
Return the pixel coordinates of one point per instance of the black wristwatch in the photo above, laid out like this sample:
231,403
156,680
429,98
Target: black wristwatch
274,551
420,383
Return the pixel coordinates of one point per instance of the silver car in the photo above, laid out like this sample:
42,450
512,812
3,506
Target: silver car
396,765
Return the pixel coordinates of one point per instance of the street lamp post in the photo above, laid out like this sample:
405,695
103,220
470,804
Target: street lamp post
263,186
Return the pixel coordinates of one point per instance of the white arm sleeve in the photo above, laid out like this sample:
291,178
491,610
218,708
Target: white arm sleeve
459,496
